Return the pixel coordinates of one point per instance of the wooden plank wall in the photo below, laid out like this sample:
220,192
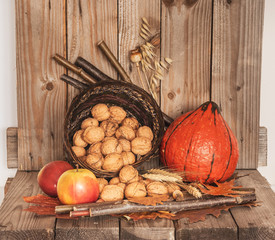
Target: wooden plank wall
215,45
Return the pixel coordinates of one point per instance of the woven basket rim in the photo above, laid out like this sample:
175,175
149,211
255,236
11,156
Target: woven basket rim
100,172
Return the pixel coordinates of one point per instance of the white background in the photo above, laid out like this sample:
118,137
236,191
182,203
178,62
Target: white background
8,115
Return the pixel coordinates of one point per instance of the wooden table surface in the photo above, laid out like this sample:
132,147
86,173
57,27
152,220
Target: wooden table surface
237,223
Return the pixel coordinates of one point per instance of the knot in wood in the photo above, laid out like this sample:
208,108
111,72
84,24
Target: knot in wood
171,95
49,86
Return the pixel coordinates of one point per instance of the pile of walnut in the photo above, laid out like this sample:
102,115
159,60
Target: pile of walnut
129,184
110,140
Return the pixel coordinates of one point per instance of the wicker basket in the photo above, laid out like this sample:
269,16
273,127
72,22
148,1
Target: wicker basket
134,100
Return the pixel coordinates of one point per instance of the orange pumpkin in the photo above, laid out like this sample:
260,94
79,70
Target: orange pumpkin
201,145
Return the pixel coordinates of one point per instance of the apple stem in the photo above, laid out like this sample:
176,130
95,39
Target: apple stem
77,166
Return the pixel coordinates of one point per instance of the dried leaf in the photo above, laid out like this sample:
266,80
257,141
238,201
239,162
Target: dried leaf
222,189
42,200
150,215
150,201
200,214
41,210
44,206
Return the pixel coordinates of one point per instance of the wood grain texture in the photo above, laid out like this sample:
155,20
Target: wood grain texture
236,71
212,228
41,97
262,154
18,224
12,147
7,185
88,22
257,222
147,229
129,21
88,228
130,14
186,39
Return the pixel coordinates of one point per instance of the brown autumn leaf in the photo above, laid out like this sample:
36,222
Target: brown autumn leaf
222,189
42,200
41,210
45,206
149,215
200,215
150,201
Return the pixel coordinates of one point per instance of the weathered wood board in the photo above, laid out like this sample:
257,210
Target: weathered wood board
258,222
18,224
186,39
41,96
215,45
236,71
239,223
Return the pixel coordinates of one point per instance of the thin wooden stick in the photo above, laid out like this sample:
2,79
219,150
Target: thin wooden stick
92,70
128,207
73,82
79,71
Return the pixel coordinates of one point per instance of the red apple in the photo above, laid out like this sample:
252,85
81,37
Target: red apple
77,186
48,176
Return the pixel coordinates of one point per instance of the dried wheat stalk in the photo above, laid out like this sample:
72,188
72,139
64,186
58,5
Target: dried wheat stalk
161,175
153,69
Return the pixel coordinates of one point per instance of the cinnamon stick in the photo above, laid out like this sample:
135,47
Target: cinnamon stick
64,62
112,59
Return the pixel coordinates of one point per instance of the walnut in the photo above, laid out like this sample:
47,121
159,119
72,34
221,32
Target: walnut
135,189
128,158
125,132
93,134
89,122
109,127
128,174
140,178
130,122
145,132
100,112
141,145
78,140
112,193
82,159
117,114
122,185
126,145
111,146
156,188
79,151
112,162
171,187
102,182
108,138
114,181
146,181
94,160
95,148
